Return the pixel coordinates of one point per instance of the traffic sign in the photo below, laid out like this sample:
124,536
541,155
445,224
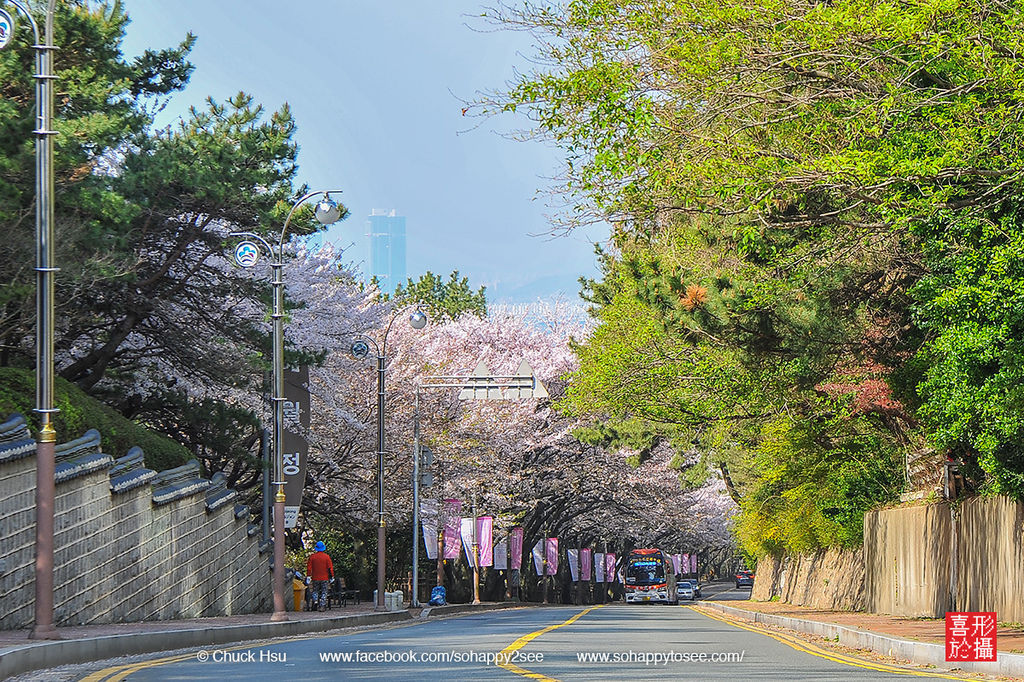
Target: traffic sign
6,28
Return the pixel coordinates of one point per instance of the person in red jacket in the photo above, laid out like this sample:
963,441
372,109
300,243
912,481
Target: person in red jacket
320,569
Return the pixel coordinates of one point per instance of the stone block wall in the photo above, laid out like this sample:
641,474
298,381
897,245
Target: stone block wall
990,557
917,561
906,556
129,544
827,579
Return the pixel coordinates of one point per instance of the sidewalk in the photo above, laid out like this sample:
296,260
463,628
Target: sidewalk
85,643
920,640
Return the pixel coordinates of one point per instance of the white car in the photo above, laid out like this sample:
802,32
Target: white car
684,590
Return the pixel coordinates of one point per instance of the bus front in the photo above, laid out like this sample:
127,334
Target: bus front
646,579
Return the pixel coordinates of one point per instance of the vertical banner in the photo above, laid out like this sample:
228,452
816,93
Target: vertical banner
585,564
538,556
693,564
467,540
676,563
551,553
485,540
294,447
501,554
573,557
609,567
685,563
428,521
599,567
515,548
451,514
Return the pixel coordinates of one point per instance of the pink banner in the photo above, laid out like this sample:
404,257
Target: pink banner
551,553
585,564
515,548
485,540
676,563
693,563
451,514
685,563
609,567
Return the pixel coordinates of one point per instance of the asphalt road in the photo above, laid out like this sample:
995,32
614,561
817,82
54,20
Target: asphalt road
614,642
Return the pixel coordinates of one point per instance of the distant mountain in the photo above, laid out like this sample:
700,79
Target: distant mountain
565,287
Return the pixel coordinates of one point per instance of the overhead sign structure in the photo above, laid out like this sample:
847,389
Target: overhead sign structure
482,385
294,446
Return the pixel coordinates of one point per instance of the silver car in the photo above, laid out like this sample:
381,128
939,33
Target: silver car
684,590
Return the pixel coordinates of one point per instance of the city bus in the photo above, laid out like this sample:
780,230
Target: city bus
650,577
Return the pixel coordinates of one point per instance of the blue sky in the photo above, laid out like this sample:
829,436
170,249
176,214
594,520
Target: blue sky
376,87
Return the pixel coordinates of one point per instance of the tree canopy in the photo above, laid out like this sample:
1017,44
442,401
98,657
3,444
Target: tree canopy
815,262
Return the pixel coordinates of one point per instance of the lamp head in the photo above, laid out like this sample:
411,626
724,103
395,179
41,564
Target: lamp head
327,211
418,320
360,349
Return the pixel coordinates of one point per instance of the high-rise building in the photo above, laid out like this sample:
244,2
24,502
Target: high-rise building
387,248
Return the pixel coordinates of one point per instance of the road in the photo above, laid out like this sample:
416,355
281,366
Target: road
614,642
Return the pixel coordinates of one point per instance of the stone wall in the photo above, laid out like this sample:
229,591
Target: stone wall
991,557
908,562
129,544
827,579
906,557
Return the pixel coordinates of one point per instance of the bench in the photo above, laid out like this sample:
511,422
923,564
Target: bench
341,593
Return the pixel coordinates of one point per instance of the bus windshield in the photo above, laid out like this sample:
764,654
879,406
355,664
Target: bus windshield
645,571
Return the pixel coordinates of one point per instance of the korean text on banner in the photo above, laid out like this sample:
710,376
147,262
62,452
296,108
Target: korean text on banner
599,567
515,548
294,447
485,540
451,515
585,564
538,556
573,557
467,539
551,552
693,563
428,520
501,554
609,567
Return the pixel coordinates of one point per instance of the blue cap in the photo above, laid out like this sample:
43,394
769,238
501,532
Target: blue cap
320,546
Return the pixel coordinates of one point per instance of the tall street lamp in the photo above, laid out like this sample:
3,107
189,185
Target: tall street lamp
247,255
45,458
360,349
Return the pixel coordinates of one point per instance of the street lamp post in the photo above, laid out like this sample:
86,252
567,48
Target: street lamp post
360,349
327,212
45,447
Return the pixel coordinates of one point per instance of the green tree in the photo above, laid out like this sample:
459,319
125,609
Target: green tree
443,300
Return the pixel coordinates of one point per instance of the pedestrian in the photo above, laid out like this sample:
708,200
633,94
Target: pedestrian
320,568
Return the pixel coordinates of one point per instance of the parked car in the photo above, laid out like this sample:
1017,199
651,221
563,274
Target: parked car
745,579
684,590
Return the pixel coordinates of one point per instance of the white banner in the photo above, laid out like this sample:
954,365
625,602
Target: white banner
428,520
501,554
599,567
538,556
574,563
467,540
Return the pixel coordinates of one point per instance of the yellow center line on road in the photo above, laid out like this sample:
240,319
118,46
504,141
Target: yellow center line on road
505,655
807,647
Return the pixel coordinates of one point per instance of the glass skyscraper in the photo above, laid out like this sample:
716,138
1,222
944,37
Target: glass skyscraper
387,248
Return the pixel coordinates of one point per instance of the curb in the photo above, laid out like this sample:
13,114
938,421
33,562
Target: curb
916,652
455,609
42,655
